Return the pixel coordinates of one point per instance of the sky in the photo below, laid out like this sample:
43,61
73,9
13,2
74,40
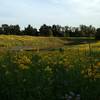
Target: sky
38,12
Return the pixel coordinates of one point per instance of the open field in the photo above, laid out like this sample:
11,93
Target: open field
9,41
70,71
13,41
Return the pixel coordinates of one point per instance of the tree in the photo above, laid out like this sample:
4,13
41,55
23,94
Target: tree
5,29
14,29
54,30
17,29
66,33
35,32
71,32
77,32
50,32
83,30
87,31
45,30
57,30
97,35
1,31
29,30
91,31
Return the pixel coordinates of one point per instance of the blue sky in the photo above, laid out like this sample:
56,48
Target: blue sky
38,12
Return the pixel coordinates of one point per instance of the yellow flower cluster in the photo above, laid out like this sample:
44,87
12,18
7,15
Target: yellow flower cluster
22,61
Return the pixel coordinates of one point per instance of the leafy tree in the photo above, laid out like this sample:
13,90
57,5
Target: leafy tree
14,29
87,30
54,30
91,31
97,35
5,29
17,29
83,30
29,30
45,30
1,31
50,32
35,32
77,32
57,30
66,33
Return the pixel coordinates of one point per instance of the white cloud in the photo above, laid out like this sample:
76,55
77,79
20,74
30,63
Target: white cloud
72,12
81,6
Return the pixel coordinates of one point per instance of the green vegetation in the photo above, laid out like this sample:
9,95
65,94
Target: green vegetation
54,30
69,72
9,41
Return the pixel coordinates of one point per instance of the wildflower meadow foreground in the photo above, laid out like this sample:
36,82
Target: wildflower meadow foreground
68,73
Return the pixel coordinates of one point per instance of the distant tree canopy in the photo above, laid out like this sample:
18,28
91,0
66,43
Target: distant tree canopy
45,30
29,30
54,30
98,34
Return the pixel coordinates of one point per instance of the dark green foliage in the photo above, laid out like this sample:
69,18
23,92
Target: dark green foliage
44,82
54,30
30,31
98,34
45,30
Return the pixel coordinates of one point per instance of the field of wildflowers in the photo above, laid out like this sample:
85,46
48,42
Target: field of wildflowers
69,73
11,41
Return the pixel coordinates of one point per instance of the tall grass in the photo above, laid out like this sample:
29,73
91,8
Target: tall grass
48,75
69,73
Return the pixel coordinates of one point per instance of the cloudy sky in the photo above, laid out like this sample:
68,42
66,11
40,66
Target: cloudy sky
38,12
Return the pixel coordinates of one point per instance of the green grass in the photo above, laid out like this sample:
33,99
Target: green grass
9,41
50,75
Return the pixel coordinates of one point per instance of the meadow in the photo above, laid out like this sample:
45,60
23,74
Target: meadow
66,72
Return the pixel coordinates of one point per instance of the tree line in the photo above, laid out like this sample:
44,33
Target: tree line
54,30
